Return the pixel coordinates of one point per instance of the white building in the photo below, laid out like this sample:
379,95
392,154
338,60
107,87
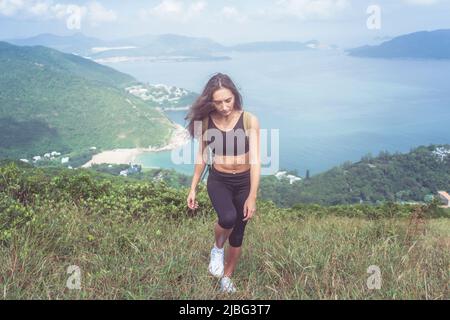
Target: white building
280,174
65,160
124,173
292,178
441,153
283,175
37,158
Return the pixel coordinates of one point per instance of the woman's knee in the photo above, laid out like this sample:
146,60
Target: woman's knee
227,219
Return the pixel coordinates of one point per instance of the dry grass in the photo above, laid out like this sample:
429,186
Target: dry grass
284,257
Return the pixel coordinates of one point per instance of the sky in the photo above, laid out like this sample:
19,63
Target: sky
341,22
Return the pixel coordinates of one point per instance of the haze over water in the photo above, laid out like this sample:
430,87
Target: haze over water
329,107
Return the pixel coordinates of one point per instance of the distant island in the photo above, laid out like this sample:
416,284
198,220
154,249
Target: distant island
418,45
159,48
179,48
273,46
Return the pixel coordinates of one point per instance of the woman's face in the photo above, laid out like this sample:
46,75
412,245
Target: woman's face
223,100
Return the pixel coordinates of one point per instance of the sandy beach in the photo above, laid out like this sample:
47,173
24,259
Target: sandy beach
179,137
116,156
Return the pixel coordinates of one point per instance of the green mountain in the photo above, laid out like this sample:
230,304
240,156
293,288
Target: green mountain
388,177
52,101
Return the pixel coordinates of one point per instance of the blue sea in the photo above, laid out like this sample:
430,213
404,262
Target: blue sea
329,108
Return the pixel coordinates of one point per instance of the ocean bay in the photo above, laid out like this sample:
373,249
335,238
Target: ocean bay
329,107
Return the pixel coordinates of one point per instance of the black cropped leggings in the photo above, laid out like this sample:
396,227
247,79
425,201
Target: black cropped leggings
228,192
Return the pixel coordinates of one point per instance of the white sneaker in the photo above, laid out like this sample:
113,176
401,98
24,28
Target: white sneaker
216,262
227,286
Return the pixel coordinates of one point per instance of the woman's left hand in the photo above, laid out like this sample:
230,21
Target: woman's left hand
249,208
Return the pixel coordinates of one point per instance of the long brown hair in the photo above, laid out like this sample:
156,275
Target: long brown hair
203,105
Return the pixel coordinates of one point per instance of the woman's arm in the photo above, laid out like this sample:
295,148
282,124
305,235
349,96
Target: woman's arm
255,169
255,162
199,165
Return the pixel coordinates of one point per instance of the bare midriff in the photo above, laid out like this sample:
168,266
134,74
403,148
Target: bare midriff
232,164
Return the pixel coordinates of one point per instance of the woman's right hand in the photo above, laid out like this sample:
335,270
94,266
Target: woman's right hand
192,204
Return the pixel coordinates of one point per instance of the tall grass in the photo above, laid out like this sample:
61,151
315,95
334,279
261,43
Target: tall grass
136,240
285,256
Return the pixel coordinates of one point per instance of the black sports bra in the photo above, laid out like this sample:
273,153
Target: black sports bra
233,142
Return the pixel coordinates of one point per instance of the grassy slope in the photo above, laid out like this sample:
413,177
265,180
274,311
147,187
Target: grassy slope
284,257
137,241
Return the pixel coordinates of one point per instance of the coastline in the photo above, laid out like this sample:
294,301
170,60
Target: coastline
179,137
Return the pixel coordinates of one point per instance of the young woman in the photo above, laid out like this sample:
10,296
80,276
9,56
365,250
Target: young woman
233,178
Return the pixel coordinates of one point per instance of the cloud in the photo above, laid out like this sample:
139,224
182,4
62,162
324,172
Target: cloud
39,9
232,13
11,7
93,11
174,10
421,2
306,9
98,14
